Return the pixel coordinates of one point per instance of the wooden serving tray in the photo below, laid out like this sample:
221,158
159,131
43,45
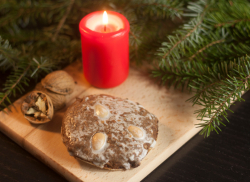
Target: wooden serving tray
176,127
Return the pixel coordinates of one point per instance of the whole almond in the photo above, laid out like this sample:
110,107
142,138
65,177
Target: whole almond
101,111
98,141
136,131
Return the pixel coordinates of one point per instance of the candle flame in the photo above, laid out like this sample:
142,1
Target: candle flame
105,18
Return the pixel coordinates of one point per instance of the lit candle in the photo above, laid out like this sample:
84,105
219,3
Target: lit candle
105,48
105,20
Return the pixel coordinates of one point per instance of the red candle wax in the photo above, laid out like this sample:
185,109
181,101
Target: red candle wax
105,52
105,28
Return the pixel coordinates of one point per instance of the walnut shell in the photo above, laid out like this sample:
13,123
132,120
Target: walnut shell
58,100
37,108
59,82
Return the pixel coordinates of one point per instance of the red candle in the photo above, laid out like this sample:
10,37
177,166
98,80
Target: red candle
105,48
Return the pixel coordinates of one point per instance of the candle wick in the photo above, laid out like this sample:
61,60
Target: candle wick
104,28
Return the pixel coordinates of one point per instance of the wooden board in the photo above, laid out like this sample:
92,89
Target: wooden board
176,127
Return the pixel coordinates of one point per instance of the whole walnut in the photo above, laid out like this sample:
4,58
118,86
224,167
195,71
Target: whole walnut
59,82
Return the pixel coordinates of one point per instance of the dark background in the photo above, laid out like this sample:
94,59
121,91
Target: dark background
223,157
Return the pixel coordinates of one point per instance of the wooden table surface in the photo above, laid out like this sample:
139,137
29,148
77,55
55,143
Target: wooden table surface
223,157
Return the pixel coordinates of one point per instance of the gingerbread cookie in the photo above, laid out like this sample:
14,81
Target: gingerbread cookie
109,132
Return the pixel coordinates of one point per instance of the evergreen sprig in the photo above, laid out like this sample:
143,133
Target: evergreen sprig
20,77
16,13
8,56
175,48
198,56
217,90
159,8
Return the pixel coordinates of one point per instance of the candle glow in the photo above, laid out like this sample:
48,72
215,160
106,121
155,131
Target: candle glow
105,18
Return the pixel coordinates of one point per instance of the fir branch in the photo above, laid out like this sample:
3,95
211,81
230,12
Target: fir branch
60,52
231,23
234,90
204,48
62,21
12,87
183,38
8,56
23,36
21,77
28,11
215,92
180,75
173,50
235,44
136,40
159,8
229,14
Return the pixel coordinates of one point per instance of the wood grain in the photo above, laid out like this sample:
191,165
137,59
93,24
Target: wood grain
176,127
